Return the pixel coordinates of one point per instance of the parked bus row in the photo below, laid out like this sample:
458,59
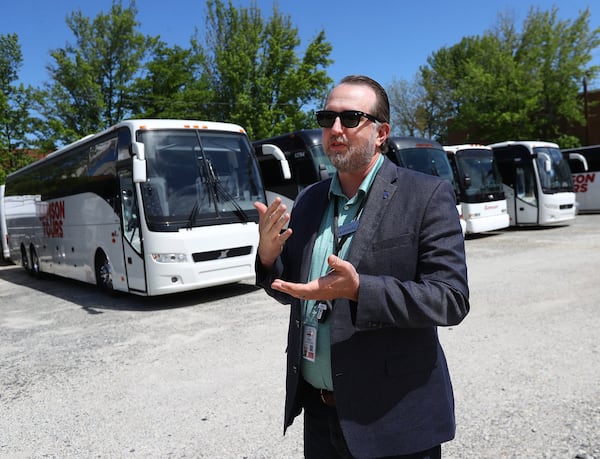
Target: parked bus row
161,206
148,207
308,162
500,185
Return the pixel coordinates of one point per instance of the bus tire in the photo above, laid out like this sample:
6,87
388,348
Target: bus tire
104,272
24,259
34,267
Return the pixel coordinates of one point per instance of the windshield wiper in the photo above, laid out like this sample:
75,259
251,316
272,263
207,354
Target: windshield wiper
220,191
193,214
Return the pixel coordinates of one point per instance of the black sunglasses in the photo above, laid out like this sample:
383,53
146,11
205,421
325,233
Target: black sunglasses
348,118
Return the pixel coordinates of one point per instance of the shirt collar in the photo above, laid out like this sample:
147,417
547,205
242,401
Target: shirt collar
335,189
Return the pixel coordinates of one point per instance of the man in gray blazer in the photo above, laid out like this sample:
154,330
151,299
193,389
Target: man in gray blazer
372,262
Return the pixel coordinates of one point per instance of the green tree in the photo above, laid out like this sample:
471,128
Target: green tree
172,85
255,77
15,105
506,85
91,78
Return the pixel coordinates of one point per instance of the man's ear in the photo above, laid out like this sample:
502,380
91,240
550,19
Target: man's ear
383,133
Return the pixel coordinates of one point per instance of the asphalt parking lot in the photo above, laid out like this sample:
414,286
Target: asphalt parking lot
201,374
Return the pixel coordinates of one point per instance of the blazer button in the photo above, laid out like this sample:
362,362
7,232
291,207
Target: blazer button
294,369
297,324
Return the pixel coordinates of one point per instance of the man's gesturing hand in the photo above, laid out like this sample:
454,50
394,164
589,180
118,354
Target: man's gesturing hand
341,281
271,222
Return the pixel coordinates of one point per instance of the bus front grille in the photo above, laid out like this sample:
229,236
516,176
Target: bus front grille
221,254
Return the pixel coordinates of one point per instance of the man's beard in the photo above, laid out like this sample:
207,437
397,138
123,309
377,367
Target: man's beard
356,158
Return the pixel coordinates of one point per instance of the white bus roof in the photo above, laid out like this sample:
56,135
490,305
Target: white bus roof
149,124
526,143
465,146
179,124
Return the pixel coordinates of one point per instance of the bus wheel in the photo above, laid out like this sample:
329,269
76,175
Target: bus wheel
24,258
35,263
104,279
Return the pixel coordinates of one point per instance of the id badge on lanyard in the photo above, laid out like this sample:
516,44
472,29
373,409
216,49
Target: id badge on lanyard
317,314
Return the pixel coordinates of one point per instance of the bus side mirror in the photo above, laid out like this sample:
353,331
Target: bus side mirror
579,157
136,150
276,152
467,181
547,162
139,170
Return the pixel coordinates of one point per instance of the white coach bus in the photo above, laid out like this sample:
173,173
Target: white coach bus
148,207
584,163
481,195
537,182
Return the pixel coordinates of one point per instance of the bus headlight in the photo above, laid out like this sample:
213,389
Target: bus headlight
169,257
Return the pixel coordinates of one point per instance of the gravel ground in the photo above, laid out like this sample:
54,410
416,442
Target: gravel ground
84,375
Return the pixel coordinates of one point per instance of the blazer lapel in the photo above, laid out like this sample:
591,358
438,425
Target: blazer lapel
382,190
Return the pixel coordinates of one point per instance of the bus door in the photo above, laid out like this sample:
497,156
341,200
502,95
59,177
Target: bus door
132,241
525,194
519,183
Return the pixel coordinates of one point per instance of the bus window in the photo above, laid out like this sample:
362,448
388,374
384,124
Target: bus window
131,230
553,170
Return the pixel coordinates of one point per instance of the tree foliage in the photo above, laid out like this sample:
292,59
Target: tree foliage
91,78
254,73
245,69
171,85
507,85
242,69
15,105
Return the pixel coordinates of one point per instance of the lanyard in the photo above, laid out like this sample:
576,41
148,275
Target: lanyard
347,229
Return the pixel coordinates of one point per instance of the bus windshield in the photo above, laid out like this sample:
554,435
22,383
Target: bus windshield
479,173
430,161
553,170
195,177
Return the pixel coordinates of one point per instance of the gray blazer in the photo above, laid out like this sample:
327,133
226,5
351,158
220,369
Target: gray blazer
391,382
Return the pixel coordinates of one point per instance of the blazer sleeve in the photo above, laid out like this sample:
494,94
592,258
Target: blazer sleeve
294,262
265,277
418,278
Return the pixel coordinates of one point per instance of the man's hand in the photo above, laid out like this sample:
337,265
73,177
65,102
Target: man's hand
341,281
271,222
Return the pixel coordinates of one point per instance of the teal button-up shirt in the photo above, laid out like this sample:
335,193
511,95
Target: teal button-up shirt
318,373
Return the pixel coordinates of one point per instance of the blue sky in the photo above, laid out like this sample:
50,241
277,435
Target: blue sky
385,39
